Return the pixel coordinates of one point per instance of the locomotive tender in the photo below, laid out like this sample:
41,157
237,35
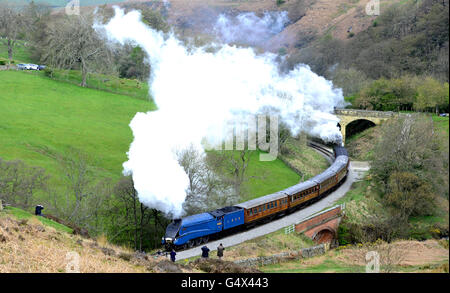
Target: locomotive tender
197,229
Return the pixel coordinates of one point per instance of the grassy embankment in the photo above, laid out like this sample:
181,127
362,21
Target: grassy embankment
30,244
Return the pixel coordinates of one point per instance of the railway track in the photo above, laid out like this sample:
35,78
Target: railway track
323,150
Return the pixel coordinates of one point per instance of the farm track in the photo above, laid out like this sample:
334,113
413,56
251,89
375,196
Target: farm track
353,175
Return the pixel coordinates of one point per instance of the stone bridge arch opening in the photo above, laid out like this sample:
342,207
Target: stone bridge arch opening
325,235
357,126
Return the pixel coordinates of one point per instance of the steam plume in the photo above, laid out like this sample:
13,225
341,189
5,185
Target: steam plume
197,91
247,28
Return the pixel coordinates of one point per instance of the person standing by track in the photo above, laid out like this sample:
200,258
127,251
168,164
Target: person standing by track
205,252
220,250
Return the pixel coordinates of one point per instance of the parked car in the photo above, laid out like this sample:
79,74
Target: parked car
22,66
443,114
30,67
33,66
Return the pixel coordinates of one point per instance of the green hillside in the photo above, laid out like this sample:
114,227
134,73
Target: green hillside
21,214
41,118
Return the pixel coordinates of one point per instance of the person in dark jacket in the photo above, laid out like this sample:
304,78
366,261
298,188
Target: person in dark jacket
38,210
172,255
220,250
205,251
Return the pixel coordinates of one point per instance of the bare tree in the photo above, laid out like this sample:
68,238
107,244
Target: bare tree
232,164
12,24
207,188
19,182
76,172
72,42
135,212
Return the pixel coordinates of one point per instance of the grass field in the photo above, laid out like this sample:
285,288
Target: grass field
109,83
442,123
267,177
41,118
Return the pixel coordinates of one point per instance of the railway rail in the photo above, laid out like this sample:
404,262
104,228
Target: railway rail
322,149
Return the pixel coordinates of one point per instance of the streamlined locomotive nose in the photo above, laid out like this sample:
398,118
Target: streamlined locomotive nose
171,232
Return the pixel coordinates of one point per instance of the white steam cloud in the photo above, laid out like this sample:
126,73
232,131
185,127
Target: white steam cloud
250,29
197,91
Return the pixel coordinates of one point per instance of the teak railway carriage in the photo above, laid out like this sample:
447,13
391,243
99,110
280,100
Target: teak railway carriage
199,228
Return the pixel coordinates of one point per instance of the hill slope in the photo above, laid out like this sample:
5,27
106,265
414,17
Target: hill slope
41,119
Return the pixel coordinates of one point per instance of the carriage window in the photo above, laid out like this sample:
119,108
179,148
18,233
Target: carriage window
259,210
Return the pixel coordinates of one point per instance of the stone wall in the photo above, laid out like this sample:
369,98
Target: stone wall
285,256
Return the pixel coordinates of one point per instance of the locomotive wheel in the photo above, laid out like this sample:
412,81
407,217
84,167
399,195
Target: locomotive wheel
190,244
198,241
205,239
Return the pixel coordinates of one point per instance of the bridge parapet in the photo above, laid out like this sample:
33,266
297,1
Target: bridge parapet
365,113
322,227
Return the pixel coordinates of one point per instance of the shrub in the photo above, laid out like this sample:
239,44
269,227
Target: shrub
48,72
2,62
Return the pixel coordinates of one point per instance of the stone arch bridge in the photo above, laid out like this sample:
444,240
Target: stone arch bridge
352,116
